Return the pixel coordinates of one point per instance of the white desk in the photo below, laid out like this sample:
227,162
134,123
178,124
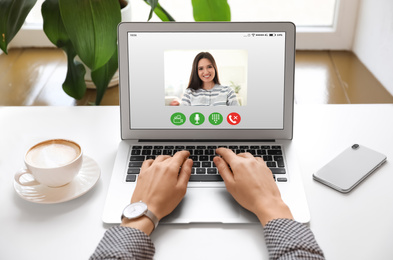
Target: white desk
354,226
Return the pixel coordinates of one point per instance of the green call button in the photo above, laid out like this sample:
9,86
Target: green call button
178,118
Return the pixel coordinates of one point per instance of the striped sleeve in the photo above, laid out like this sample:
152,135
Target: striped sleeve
232,98
124,243
288,239
186,99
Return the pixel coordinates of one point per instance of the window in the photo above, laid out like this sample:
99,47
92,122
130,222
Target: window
322,24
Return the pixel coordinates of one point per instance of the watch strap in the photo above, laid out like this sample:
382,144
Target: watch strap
152,217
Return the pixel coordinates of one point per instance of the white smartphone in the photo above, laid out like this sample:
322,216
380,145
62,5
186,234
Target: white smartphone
349,168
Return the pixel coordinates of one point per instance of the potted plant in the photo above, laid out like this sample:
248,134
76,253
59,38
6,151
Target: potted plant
88,29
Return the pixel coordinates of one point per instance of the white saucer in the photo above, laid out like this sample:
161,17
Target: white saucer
82,183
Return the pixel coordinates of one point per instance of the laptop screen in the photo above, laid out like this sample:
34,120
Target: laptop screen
206,80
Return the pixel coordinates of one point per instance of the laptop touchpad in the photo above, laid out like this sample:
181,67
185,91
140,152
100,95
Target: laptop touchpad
206,205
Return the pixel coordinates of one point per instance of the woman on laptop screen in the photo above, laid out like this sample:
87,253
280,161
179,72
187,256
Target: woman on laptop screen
204,87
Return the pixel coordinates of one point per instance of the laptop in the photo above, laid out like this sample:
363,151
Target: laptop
254,62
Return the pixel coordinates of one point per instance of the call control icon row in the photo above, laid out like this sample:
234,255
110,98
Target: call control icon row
198,118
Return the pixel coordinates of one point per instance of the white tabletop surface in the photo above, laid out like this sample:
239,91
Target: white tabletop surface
358,225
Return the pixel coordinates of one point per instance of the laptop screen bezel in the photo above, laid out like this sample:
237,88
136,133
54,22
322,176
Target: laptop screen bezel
206,134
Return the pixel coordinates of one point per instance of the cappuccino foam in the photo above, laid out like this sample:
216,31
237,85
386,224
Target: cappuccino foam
52,154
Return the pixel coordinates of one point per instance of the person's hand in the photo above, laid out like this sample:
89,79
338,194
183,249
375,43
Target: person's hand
251,184
161,186
174,103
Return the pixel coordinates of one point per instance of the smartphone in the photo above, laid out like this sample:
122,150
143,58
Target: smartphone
349,168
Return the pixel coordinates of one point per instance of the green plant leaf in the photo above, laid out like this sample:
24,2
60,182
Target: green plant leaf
102,76
159,11
163,14
12,16
211,10
53,24
92,28
74,84
153,4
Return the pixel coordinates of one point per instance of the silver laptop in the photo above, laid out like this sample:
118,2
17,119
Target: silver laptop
254,63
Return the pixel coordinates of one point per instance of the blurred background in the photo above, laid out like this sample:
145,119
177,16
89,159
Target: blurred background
344,51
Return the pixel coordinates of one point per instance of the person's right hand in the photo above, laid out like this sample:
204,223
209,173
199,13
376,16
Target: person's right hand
251,184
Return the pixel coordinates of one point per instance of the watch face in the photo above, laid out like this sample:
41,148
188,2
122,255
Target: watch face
135,210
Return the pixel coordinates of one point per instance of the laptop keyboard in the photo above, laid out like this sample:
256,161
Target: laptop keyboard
203,167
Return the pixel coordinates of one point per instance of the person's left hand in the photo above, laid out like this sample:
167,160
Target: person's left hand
160,185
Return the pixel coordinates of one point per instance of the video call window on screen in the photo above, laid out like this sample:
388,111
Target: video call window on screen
206,80
205,77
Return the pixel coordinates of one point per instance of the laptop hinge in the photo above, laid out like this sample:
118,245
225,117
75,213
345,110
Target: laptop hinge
206,141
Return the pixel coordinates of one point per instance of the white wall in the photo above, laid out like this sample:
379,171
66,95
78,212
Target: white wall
373,42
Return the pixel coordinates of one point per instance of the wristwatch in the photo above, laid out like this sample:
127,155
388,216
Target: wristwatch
138,209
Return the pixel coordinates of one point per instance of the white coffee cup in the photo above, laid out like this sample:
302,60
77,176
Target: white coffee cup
53,163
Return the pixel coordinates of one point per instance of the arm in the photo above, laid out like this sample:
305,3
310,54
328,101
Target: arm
288,239
161,187
232,98
124,243
186,99
251,184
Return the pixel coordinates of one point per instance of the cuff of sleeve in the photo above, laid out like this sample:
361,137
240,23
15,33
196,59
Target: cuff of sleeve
125,243
288,237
